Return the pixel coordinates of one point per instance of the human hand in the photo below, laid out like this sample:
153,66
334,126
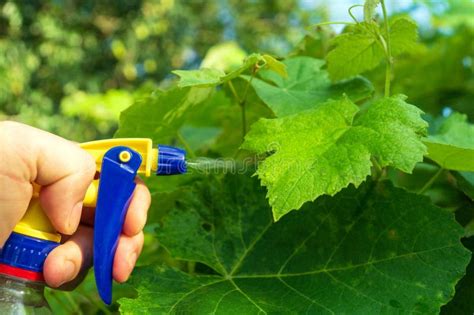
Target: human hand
64,171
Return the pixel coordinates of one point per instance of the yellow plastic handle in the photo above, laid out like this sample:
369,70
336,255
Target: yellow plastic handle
143,146
36,224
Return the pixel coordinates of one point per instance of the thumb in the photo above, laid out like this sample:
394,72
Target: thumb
61,167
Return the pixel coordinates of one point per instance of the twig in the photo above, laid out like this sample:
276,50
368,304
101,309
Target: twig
431,181
388,68
350,11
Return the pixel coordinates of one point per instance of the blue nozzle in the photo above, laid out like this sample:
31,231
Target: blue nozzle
171,160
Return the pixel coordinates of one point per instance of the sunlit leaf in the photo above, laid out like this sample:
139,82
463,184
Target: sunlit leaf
452,146
321,151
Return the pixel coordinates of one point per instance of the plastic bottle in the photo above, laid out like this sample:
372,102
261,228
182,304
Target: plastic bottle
19,296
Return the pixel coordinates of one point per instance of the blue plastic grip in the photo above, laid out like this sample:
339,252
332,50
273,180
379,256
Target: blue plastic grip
26,252
171,160
116,186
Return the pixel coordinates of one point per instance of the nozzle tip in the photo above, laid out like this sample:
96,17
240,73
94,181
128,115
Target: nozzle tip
171,160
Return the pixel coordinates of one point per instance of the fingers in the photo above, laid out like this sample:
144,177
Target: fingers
65,262
64,171
65,182
128,250
13,203
15,187
71,259
137,211
60,166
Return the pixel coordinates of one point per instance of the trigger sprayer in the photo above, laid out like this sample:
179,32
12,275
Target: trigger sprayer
118,162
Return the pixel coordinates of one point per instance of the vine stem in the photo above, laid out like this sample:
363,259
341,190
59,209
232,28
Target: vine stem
431,181
242,108
378,168
234,92
243,100
388,68
244,121
350,11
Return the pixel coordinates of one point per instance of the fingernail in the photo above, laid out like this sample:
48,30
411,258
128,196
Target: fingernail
74,217
132,258
68,272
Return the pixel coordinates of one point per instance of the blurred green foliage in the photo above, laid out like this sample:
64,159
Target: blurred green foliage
58,59
70,67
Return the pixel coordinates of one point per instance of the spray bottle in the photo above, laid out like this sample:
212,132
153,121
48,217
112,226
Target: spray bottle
118,162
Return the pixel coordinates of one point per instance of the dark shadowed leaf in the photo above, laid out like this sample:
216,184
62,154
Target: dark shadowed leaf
375,249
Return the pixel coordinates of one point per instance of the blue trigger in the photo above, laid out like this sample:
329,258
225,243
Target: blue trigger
116,186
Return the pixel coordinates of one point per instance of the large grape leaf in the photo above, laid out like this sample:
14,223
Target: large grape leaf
361,49
372,250
321,151
160,115
452,146
306,86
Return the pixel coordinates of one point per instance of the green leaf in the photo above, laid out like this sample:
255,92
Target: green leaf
214,128
372,250
321,151
201,77
306,86
213,77
360,49
355,52
248,63
160,115
403,35
315,42
369,8
275,65
450,157
452,147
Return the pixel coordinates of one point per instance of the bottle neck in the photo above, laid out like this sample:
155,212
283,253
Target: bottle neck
19,291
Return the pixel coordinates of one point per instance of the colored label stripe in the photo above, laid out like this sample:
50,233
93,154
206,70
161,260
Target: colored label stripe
21,273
